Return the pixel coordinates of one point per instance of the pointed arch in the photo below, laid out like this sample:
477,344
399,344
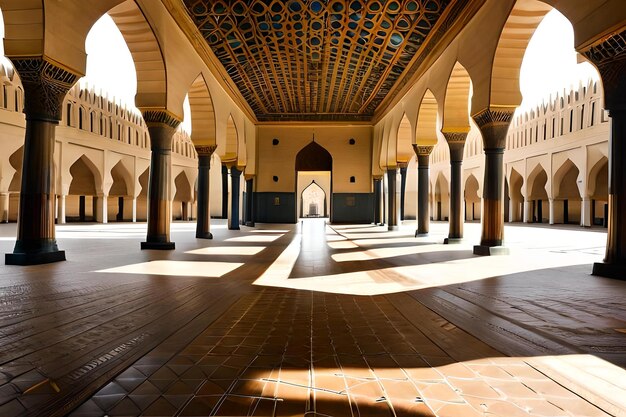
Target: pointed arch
202,113
426,127
472,198
567,175
598,178
314,157
122,180
456,102
404,151
536,183
313,201
146,52
85,177
183,188
228,153
519,28
441,198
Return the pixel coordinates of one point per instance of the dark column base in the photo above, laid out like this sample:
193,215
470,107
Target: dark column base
452,240
234,228
615,271
158,245
207,235
418,234
484,250
393,228
250,224
34,258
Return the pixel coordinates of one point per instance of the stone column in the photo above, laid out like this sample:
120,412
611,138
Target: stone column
203,222
45,86
233,218
456,143
250,202
378,186
528,211
494,125
224,192
161,127
392,173
402,166
423,182
585,212
609,56
551,211
4,207
101,213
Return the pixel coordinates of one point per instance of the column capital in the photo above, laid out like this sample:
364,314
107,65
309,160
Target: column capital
45,85
421,150
160,118
205,150
493,123
456,143
609,56
402,165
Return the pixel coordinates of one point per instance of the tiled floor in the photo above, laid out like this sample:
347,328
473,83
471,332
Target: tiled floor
284,320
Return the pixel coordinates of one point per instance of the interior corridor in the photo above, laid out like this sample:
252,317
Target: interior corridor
310,319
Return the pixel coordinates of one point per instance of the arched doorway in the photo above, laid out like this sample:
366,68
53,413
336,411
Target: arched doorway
567,198
314,165
538,195
472,199
313,201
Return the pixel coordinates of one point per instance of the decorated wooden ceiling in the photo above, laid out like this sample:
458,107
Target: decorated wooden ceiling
319,59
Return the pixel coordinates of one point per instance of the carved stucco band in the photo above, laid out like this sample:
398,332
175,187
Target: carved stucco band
456,143
494,125
205,150
610,58
45,86
160,117
422,150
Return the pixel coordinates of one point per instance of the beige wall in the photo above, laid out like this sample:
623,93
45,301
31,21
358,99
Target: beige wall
348,160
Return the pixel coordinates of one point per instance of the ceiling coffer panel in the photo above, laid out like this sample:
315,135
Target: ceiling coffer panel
317,59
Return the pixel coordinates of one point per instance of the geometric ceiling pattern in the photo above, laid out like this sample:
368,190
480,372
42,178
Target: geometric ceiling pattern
317,59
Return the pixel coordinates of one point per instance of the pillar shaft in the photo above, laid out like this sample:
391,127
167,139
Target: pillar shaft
493,125
224,192
392,173
250,202
378,185
402,189
456,143
609,57
423,183
161,127
203,222
233,218
45,86
4,207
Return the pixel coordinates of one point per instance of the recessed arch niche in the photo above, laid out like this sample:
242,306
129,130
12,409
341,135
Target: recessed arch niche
314,165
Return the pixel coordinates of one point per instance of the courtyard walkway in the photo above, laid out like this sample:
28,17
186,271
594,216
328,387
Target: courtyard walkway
314,320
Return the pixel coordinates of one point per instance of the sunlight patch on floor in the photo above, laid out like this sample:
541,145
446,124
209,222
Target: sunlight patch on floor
383,253
227,250
177,268
254,239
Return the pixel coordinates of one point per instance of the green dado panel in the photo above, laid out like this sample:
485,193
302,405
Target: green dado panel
275,207
352,208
